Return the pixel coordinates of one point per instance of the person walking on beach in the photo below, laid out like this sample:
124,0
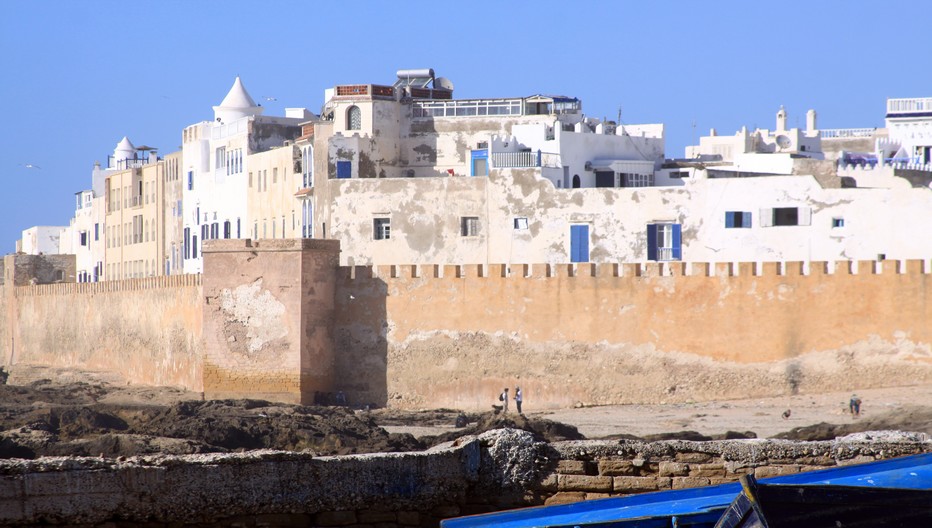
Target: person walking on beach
518,399
855,405
503,397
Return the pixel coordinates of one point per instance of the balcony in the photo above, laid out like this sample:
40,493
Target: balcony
364,90
910,107
517,160
846,133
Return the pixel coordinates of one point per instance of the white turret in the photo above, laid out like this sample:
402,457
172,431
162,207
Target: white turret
811,121
236,104
123,151
781,119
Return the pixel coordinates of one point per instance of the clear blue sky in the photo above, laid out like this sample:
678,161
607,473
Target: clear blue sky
79,75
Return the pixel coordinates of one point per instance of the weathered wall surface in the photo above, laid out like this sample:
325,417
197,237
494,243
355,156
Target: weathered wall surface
610,334
876,218
268,318
498,470
146,330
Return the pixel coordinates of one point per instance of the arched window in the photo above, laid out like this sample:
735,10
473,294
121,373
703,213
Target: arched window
576,181
354,118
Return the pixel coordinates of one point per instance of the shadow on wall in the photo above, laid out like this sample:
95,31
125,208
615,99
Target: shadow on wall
361,338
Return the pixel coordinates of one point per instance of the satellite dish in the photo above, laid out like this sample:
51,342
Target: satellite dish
783,141
443,82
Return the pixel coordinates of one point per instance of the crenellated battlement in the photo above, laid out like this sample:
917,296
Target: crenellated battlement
639,269
126,285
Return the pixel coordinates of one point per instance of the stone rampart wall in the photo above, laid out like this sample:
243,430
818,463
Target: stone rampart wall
453,336
499,470
147,331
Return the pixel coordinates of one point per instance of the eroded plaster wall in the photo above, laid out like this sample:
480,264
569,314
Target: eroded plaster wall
145,330
454,336
267,318
426,216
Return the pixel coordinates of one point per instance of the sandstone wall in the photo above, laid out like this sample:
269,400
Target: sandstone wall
453,336
145,330
499,470
268,318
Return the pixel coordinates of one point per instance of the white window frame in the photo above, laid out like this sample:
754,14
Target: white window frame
469,226
381,228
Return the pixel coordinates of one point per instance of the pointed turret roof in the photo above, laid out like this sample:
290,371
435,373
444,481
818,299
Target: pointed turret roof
236,104
125,144
238,97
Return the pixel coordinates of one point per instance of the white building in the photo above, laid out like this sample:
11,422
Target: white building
41,240
909,126
215,168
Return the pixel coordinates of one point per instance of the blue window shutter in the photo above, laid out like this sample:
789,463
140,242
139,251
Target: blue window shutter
746,222
729,219
651,241
344,169
579,243
677,237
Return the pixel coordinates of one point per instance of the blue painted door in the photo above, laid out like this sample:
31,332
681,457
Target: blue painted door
579,243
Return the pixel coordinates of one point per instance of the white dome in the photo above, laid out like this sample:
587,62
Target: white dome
236,104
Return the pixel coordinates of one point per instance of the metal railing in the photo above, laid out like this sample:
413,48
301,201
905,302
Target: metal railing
909,105
839,133
511,160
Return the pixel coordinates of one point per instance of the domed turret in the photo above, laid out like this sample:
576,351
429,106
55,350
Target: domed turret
781,119
236,104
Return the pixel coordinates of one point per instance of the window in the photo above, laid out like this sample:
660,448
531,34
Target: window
637,180
226,229
469,226
344,169
604,179
96,232
382,229
190,180
785,216
83,236
679,174
838,222
237,229
663,242
275,175
214,231
353,118
194,246
576,181
307,165
205,231
579,243
307,219
521,223
250,179
479,163
737,219
220,159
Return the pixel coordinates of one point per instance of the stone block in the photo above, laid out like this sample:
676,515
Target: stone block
593,496
565,497
694,458
584,483
571,467
671,469
775,471
707,470
617,468
335,518
825,461
689,482
639,484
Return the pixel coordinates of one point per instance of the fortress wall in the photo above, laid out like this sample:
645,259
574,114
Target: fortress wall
148,331
453,336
